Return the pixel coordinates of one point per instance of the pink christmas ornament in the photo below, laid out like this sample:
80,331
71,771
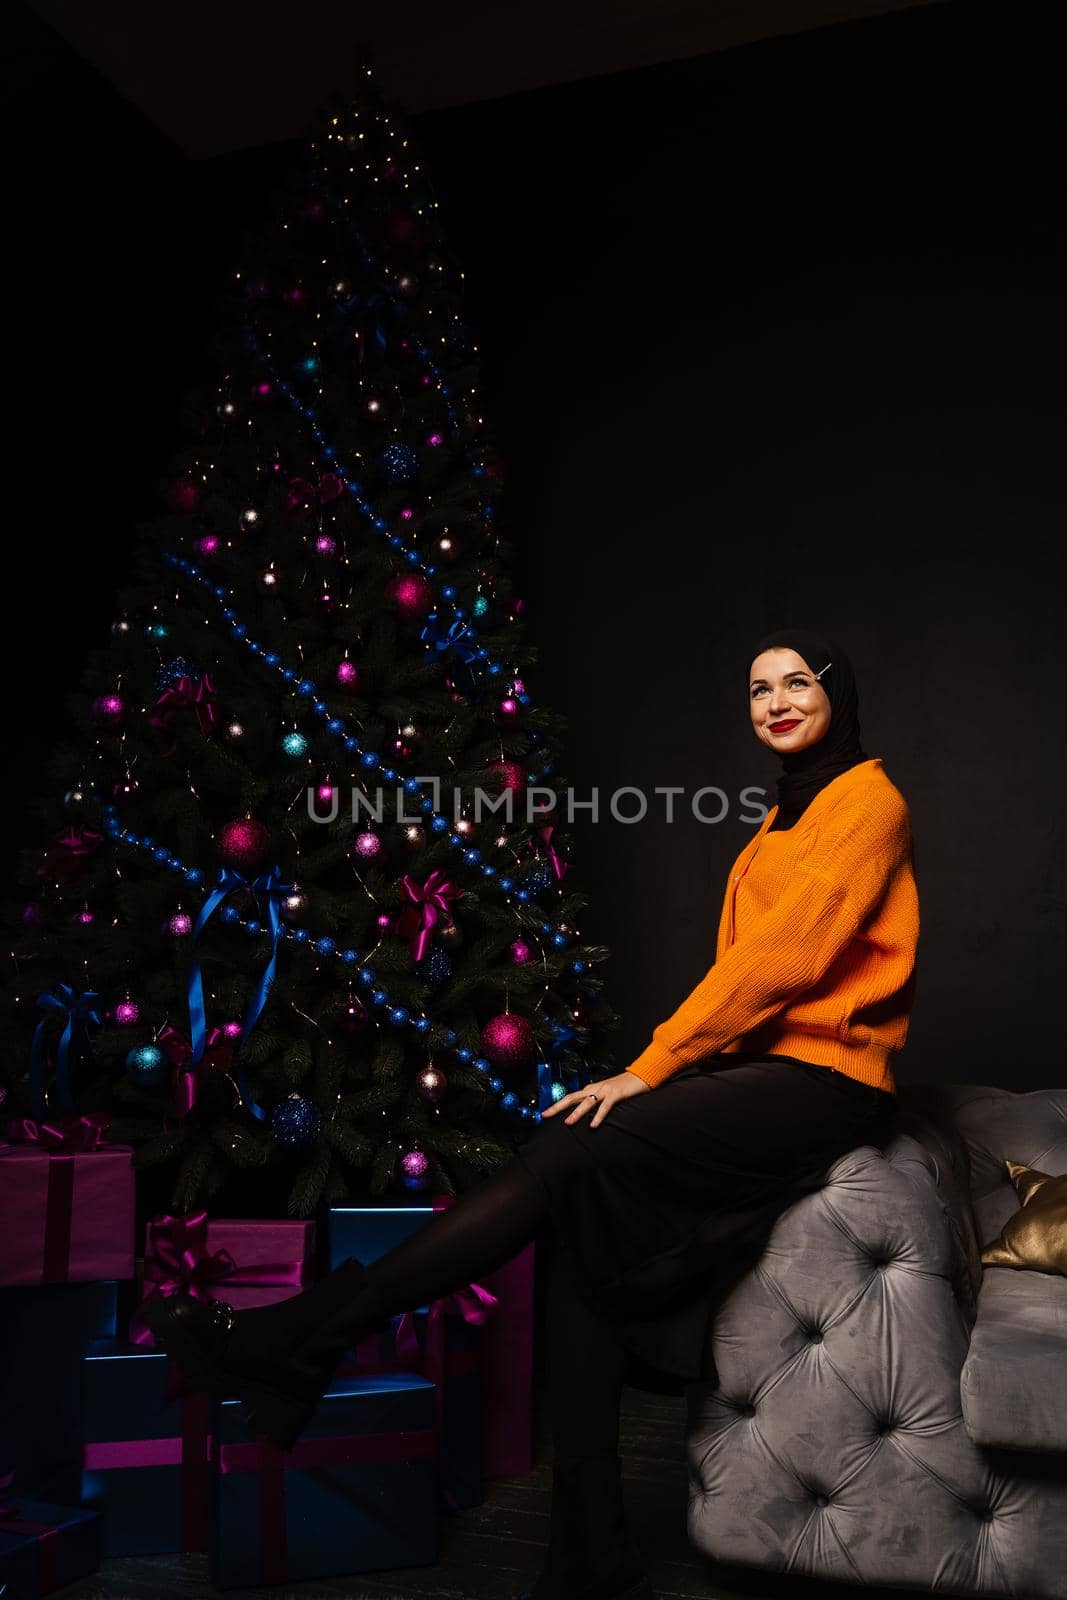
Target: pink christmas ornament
183,495
520,952
347,675
109,710
353,1018
431,1084
232,1030
384,920
180,925
127,1013
324,794
85,918
243,844
207,546
324,545
411,594
509,1042
368,846
415,1165
512,775
509,708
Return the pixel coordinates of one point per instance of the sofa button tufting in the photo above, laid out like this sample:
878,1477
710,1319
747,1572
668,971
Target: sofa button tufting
821,1500
814,1336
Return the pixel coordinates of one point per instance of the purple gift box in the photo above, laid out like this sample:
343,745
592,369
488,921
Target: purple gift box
245,1263
67,1200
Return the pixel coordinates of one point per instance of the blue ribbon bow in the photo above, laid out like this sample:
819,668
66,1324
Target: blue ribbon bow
269,892
458,636
80,1012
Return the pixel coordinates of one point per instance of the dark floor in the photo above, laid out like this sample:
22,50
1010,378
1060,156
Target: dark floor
493,1551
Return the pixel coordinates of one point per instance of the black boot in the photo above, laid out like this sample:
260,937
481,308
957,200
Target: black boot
590,1553
261,1355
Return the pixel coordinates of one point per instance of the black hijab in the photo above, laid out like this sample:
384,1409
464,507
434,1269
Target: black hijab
810,770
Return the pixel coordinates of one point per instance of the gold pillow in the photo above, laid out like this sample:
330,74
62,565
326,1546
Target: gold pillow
1036,1236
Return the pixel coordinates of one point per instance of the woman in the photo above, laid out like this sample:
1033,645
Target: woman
654,1204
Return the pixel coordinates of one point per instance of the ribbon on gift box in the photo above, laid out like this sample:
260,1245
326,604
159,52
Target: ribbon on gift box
61,1140
271,1463
44,1535
178,1261
191,1450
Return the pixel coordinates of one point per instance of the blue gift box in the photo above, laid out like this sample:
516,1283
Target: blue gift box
356,1493
44,1547
367,1232
146,1450
44,1331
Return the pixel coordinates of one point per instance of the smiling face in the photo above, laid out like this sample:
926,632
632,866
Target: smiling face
790,710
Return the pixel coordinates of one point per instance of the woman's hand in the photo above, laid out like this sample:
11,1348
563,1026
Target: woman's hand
607,1091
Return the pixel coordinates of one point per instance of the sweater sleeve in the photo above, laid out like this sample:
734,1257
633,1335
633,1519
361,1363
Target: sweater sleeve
788,949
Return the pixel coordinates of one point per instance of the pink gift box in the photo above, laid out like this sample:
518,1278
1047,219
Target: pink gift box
68,1216
245,1263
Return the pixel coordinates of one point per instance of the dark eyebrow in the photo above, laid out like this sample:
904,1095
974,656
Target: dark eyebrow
800,672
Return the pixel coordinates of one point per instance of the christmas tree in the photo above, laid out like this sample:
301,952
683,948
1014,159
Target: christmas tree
301,906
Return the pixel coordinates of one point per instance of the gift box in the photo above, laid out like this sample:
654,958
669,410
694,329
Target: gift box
368,1231
356,1493
145,1453
243,1263
443,1347
44,1546
44,1332
68,1204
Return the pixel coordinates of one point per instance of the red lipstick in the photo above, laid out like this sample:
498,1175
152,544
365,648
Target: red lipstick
783,727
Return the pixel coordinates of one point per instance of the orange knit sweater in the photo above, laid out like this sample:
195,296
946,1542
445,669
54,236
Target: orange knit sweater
815,956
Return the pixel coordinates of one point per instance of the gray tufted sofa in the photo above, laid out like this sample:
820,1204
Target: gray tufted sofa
885,1411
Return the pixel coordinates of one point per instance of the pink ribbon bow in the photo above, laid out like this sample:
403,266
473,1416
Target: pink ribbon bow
65,853
177,1261
68,1136
300,492
201,698
544,833
218,1052
429,901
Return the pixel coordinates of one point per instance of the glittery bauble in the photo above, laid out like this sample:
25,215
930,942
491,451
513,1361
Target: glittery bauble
432,1085
399,462
109,710
268,580
347,676
368,846
120,627
415,1167
294,744
183,496
448,547
520,952
325,794
509,708
295,904
85,917
414,837
449,933
410,593
353,1018
384,920
324,545
127,1013
235,732
324,605
540,879
435,968
147,1064
296,1123
243,844
249,518
180,925
512,775
125,789
75,798
172,672
207,546
509,1042
232,1030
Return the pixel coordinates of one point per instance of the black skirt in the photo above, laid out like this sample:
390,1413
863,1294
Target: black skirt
667,1204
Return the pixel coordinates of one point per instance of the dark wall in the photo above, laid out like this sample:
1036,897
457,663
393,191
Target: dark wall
775,336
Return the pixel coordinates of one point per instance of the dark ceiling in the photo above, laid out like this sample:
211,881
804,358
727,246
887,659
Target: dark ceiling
221,77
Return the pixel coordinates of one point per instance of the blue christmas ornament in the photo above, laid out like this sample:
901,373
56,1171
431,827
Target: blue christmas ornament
172,671
399,462
146,1064
435,969
557,1091
294,744
296,1122
540,879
